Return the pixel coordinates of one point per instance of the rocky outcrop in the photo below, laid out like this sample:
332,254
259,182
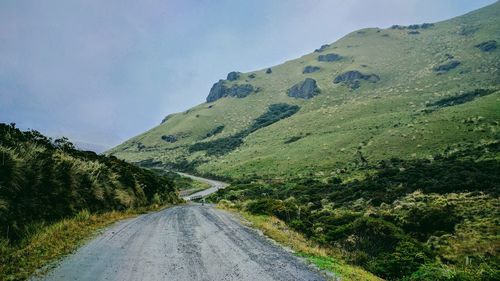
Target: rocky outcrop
240,91
233,76
487,46
322,48
421,26
413,26
220,90
329,57
353,78
447,66
304,90
217,91
310,69
169,138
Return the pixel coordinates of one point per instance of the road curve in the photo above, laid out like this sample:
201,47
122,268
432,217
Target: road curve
215,185
186,243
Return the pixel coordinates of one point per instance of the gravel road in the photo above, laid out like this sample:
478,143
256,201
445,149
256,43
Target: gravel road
189,242
215,185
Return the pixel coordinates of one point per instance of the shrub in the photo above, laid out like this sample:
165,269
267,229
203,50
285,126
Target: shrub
43,181
222,146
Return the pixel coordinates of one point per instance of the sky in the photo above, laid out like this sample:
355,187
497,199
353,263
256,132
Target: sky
100,72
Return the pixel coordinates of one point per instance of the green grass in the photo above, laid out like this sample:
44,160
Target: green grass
323,258
47,243
382,119
195,186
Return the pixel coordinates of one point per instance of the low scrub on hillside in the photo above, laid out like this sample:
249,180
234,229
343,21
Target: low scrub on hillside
458,99
433,219
221,146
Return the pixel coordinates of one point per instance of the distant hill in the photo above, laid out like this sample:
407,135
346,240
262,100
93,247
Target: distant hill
407,91
97,148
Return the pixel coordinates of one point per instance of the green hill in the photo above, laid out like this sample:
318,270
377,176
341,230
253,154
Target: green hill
406,92
382,147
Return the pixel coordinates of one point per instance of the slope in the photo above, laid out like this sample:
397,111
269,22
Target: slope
406,91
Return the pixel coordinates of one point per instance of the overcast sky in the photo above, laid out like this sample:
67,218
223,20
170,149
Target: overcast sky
103,71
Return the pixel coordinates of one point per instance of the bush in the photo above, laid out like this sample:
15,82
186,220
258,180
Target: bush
43,181
222,146
399,219
405,260
439,272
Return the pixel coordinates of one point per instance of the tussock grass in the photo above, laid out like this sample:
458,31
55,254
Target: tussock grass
324,258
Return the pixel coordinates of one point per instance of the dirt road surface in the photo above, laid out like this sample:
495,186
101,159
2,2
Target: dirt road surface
215,185
186,243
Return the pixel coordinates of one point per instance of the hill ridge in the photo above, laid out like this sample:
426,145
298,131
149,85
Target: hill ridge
367,93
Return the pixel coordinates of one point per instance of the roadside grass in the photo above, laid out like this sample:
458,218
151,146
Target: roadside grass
47,243
196,186
324,258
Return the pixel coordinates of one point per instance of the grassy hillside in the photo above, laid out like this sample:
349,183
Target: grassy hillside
394,107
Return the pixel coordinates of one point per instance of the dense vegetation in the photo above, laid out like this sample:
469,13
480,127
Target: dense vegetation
44,180
215,131
410,219
459,99
221,146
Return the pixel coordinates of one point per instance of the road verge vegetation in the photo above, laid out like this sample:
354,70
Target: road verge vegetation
53,195
412,220
35,253
328,259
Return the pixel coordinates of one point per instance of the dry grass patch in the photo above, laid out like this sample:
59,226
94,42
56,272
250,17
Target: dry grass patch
47,243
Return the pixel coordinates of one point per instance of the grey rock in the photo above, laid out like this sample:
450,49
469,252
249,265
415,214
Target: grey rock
169,138
322,48
487,46
447,66
353,78
240,91
329,57
310,69
233,76
217,91
304,90
220,90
